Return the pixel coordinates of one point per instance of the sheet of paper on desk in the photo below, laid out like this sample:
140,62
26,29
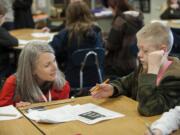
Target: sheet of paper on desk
91,113
42,34
11,111
57,115
22,42
87,113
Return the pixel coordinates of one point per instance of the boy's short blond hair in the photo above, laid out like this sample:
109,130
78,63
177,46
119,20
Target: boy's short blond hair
156,33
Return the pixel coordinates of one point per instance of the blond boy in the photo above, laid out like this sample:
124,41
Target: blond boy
155,85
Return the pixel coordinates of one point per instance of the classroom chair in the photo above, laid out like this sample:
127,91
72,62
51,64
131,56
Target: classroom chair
87,60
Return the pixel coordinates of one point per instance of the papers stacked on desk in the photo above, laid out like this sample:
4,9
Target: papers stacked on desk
43,34
102,13
37,36
87,113
9,113
57,115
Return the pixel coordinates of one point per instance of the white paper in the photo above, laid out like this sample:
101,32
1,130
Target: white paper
25,42
91,113
57,115
104,13
70,113
22,42
42,34
9,110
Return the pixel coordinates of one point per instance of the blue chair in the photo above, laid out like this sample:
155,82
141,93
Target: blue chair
87,59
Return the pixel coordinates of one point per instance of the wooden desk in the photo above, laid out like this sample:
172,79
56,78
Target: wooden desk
25,34
170,23
131,124
18,127
174,23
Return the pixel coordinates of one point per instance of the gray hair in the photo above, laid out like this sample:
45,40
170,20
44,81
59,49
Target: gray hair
27,88
156,33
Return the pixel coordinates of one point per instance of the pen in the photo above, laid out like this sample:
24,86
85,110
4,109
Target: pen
7,114
149,129
96,88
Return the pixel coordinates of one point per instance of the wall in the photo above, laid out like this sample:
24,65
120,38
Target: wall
155,10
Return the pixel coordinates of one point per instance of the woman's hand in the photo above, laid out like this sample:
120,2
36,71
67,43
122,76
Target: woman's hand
22,104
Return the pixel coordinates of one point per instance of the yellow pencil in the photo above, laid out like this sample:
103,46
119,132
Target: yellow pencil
96,88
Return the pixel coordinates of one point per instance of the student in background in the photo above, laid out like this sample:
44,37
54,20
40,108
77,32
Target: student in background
62,25
9,17
37,79
121,57
7,42
22,14
172,11
168,122
81,32
155,85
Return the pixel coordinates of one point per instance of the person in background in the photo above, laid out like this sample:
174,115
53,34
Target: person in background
22,14
9,17
121,57
81,32
62,25
7,42
156,82
172,11
168,123
51,28
37,79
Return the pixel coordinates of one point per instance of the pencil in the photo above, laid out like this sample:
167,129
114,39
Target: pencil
7,114
96,88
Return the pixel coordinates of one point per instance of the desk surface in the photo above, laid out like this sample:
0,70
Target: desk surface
18,127
26,34
132,123
174,23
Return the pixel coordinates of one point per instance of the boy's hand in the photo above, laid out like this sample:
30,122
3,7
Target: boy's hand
155,60
104,91
155,132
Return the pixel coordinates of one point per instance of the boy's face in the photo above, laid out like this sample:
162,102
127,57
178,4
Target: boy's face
144,49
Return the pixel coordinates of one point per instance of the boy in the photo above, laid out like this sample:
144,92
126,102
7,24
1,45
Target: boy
7,42
155,85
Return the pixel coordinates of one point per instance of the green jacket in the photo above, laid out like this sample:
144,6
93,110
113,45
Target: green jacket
153,100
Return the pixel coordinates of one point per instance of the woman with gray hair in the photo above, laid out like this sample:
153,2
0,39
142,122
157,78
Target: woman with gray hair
37,78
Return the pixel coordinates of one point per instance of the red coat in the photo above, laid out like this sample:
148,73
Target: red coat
8,90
